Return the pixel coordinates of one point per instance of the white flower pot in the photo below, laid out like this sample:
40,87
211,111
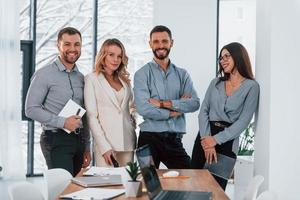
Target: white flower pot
133,189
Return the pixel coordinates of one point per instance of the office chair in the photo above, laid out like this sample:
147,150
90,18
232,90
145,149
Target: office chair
24,191
56,181
253,186
267,195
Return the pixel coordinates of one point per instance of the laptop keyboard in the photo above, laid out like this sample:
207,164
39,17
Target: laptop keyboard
171,195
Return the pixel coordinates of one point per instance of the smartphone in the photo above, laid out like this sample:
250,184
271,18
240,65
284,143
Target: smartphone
114,161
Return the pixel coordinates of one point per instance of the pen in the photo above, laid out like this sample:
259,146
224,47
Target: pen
78,111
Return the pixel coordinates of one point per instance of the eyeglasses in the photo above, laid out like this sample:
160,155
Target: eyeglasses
224,57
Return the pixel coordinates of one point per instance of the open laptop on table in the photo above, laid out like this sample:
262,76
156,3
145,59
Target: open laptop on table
153,185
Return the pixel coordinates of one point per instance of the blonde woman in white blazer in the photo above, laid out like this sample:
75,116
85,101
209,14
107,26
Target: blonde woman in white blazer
109,104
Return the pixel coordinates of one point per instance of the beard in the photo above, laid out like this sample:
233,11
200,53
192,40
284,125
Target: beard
71,59
161,56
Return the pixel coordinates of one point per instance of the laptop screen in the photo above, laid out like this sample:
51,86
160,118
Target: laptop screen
148,171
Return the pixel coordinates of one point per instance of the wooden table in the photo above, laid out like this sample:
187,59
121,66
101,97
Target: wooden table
199,180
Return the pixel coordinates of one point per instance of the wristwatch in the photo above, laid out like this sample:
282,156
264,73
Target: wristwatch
161,104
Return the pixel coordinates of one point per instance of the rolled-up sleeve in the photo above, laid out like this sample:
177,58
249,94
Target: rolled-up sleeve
187,105
142,96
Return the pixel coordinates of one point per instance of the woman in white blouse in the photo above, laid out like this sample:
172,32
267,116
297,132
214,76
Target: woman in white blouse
109,104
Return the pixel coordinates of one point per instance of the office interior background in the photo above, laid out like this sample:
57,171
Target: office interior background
268,29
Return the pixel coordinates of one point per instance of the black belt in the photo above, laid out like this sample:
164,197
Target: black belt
221,124
164,134
78,131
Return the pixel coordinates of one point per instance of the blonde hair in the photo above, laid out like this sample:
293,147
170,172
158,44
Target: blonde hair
101,55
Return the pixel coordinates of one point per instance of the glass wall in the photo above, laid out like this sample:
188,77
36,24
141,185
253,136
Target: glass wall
128,20
237,22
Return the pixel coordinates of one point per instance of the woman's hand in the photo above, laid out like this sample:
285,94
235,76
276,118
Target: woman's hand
107,155
133,120
86,159
208,142
210,155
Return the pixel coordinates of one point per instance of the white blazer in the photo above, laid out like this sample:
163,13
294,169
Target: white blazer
109,122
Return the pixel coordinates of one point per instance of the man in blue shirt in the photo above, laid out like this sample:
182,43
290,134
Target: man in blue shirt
163,93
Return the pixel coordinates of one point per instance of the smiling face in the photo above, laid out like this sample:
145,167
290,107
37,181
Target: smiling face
69,47
161,44
226,61
113,59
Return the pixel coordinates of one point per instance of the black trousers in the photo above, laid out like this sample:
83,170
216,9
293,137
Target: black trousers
166,147
198,155
62,150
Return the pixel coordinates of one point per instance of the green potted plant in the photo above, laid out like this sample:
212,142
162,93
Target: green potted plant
133,187
246,147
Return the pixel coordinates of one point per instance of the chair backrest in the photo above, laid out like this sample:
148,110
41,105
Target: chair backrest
253,186
267,195
56,181
24,191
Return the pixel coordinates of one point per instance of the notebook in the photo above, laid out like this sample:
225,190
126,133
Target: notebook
223,168
94,181
152,183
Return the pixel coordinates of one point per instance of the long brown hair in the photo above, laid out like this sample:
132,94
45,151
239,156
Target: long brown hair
100,58
241,60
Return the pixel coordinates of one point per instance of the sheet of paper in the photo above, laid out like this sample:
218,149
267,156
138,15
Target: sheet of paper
94,193
71,108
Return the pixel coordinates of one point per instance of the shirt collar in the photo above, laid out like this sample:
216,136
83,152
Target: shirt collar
169,69
61,67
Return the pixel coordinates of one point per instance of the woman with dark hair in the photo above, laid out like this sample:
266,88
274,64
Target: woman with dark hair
109,104
228,107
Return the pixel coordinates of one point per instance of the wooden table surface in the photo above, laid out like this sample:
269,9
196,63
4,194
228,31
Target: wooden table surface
198,180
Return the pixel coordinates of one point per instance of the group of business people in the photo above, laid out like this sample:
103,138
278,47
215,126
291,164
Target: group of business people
162,94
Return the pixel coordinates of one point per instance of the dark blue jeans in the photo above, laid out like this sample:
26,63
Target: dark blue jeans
62,150
166,147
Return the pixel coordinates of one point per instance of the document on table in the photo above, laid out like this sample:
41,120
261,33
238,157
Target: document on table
71,108
94,193
102,171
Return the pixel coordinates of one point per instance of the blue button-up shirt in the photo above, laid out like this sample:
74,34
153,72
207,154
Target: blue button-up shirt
152,82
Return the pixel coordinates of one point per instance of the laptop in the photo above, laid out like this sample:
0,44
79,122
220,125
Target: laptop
223,168
152,183
95,181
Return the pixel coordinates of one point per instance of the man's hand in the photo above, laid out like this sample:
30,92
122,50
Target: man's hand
72,123
107,157
86,159
210,155
208,142
175,114
154,102
185,96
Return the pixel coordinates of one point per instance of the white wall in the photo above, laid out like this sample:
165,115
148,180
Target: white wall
277,70
193,25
